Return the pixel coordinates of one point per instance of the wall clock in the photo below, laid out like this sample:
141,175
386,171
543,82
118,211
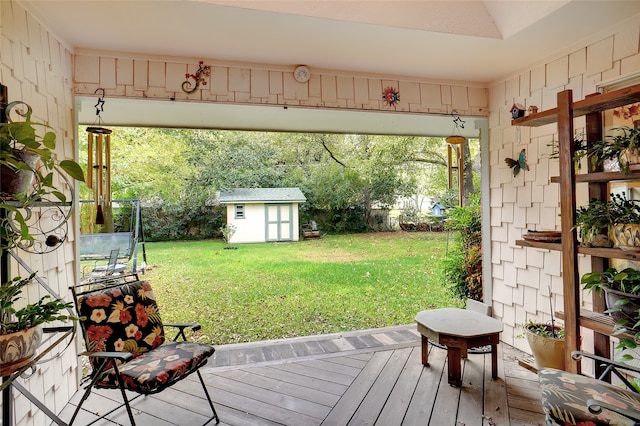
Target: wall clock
301,74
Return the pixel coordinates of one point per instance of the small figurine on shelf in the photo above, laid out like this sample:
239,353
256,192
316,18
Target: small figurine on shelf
517,111
517,165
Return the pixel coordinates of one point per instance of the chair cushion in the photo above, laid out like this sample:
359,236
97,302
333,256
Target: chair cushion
159,368
565,395
124,318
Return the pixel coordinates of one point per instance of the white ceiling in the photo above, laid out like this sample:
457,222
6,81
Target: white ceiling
477,41
473,41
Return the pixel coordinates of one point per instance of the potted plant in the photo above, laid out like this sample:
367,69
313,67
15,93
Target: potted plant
27,165
624,215
547,344
621,148
622,297
593,222
20,328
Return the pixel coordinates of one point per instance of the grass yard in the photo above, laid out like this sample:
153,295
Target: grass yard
276,290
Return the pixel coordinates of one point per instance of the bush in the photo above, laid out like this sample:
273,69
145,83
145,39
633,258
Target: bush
465,276
164,221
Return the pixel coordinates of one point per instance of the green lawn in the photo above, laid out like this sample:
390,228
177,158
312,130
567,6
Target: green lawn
276,290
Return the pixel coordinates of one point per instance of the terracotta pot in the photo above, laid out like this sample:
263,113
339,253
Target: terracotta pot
626,236
12,182
628,311
17,349
547,351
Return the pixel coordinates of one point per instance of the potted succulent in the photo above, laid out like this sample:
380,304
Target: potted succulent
20,328
27,165
547,344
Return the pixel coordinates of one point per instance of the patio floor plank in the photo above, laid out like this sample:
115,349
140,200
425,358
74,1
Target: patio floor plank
372,377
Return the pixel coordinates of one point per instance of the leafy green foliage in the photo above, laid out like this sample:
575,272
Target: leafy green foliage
544,330
177,173
22,149
44,310
464,270
626,281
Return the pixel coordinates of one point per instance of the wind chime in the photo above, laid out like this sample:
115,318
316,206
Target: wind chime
99,164
456,143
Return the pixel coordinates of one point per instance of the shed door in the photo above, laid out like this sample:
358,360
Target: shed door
279,219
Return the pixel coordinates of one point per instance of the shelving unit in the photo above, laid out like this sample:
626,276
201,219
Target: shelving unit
591,107
52,336
48,219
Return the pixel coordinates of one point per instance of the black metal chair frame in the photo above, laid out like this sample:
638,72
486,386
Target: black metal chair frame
615,368
105,358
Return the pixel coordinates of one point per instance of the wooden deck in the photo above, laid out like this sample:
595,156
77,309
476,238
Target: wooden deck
371,377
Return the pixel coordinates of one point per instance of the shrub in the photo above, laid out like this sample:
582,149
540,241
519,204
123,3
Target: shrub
465,276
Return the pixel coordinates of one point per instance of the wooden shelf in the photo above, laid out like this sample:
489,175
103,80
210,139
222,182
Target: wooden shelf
540,245
599,323
613,253
602,177
594,103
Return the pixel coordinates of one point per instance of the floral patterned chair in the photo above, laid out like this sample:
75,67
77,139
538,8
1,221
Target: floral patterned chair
573,399
125,341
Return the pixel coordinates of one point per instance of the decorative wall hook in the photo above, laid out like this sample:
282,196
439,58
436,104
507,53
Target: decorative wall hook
391,96
457,121
456,137
100,104
198,77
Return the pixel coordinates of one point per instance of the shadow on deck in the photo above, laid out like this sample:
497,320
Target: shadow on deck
369,377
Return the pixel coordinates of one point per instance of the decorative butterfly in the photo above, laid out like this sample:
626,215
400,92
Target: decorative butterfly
521,163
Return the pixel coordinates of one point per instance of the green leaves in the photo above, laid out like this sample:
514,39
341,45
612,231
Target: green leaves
22,149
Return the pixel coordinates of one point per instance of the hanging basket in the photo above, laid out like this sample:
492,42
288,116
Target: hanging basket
455,139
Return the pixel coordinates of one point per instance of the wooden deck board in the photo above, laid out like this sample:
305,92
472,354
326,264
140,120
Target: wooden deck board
372,377
400,397
267,383
351,400
378,394
421,406
471,405
496,407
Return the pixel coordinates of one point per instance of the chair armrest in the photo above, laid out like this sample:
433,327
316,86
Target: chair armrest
576,355
194,326
596,407
611,366
122,356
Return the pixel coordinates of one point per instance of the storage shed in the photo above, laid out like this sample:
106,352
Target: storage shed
263,214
